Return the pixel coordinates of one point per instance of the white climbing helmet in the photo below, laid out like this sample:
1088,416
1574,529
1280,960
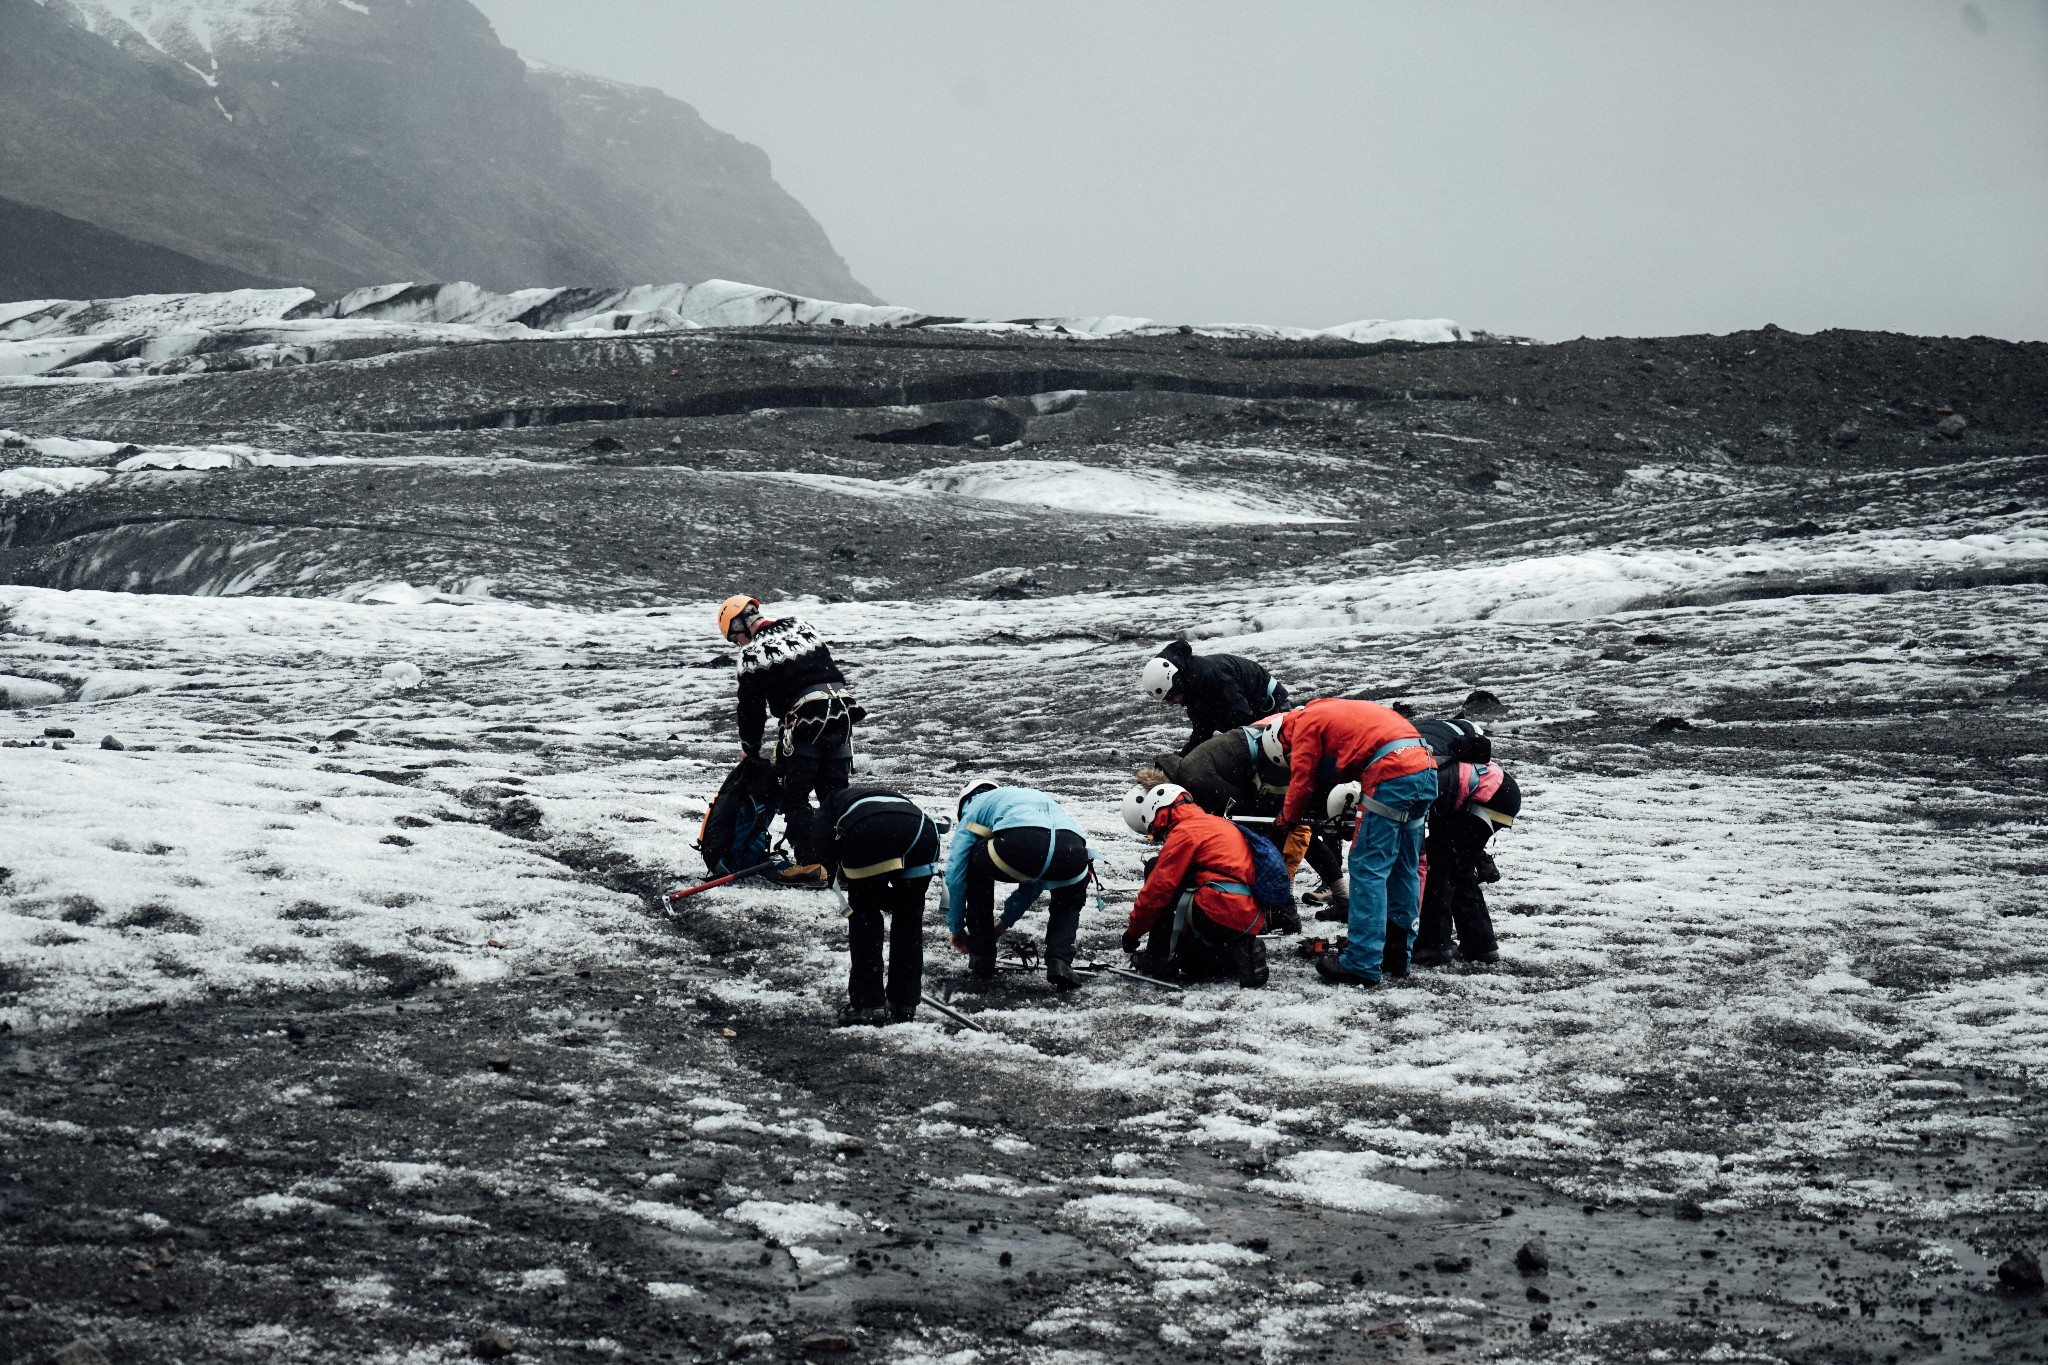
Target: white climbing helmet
1160,678
1343,800
1143,804
972,790
1271,747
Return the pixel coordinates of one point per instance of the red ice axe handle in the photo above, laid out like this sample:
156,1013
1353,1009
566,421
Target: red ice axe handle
729,878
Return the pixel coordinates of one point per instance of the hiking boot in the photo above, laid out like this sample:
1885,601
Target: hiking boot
1060,972
810,876
981,968
1158,966
1432,957
1283,921
1490,955
1394,960
1333,973
902,1014
1249,956
1336,914
865,1016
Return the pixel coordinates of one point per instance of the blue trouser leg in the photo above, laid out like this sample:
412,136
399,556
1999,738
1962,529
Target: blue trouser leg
1386,884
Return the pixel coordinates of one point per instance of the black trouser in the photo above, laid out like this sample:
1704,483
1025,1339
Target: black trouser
1451,895
825,771
1206,950
1326,856
870,839
1026,849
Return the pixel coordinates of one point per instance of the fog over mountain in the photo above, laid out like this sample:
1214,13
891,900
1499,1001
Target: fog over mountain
196,144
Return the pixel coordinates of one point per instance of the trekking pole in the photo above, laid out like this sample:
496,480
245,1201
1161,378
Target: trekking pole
962,1020
1134,975
686,892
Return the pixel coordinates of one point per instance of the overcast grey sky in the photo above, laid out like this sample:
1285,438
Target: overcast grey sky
1577,167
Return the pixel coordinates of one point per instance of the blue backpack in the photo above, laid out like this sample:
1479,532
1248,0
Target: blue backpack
1272,888
734,834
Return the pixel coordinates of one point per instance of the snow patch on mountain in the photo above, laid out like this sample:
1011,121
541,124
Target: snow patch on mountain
195,31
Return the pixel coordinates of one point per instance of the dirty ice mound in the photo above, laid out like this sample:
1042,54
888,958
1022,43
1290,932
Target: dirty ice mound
1071,487
266,328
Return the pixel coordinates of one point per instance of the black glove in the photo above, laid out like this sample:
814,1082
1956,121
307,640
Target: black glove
1132,938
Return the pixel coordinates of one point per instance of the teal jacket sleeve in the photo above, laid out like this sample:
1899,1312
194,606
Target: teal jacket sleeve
957,852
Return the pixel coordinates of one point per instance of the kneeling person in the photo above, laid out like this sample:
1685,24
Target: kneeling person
1020,836
883,849
1195,916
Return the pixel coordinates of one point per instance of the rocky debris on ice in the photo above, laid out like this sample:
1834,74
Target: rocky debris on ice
2021,1271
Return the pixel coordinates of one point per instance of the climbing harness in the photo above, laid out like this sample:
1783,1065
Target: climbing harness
813,716
887,865
1387,812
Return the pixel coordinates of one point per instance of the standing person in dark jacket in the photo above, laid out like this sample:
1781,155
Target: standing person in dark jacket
785,668
883,849
1220,691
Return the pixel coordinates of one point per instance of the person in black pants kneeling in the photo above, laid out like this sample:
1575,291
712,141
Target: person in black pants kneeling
883,849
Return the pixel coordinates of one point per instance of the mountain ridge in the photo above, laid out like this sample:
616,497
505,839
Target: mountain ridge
342,144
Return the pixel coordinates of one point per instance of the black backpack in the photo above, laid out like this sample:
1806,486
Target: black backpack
734,834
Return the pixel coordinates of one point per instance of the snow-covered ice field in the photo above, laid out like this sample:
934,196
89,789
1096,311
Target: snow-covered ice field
351,931
283,816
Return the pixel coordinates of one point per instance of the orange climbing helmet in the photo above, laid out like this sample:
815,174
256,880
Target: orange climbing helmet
735,609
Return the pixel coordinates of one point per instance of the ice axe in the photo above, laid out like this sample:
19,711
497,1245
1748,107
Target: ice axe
962,1020
728,879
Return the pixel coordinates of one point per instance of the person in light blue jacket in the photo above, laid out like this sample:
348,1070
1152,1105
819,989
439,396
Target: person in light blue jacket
1021,836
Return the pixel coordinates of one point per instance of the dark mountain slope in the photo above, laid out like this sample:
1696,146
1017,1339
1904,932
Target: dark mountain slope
49,254
340,146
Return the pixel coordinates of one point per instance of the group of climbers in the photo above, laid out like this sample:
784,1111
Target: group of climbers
1259,787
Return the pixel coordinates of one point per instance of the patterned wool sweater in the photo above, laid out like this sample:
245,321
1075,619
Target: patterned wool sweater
784,660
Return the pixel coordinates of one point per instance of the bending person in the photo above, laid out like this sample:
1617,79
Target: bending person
1220,691
1473,800
1023,837
1333,742
883,849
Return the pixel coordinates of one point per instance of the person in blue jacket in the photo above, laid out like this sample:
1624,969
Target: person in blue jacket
1021,836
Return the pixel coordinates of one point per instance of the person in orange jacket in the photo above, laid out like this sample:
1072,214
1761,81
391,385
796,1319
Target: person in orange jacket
1334,741
1195,915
